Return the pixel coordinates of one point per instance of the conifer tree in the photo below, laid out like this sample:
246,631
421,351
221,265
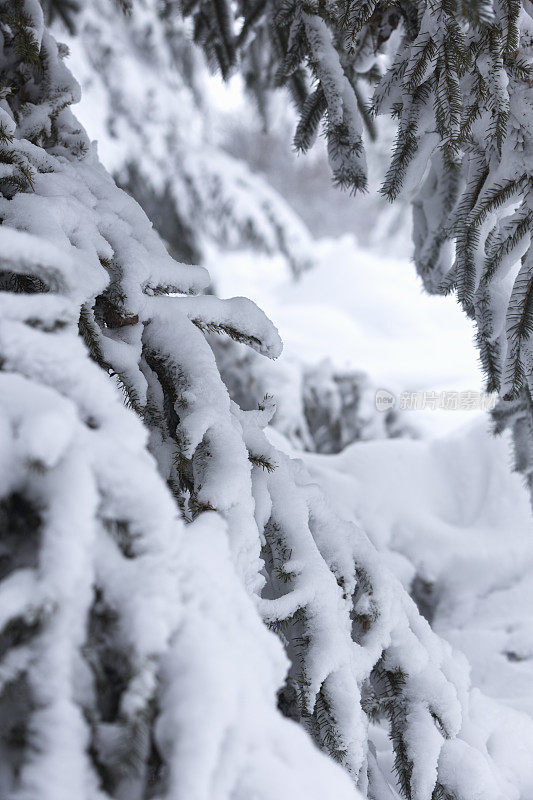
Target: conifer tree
319,408
133,661
457,78
147,88
65,10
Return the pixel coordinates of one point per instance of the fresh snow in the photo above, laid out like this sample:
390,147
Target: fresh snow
446,512
362,311
453,509
323,549
454,524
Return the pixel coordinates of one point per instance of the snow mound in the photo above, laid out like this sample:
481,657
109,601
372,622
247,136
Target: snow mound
454,523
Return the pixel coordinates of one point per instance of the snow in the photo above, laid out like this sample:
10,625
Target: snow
104,578
450,518
142,112
446,513
325,550
364,312
178,599
230,751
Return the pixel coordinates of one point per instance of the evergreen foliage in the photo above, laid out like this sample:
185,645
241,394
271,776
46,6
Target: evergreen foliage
113,637
457,77
319,408
133,660
147,100
65,10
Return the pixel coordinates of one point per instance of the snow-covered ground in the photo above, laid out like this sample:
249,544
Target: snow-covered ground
365,312
458,521
455,523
